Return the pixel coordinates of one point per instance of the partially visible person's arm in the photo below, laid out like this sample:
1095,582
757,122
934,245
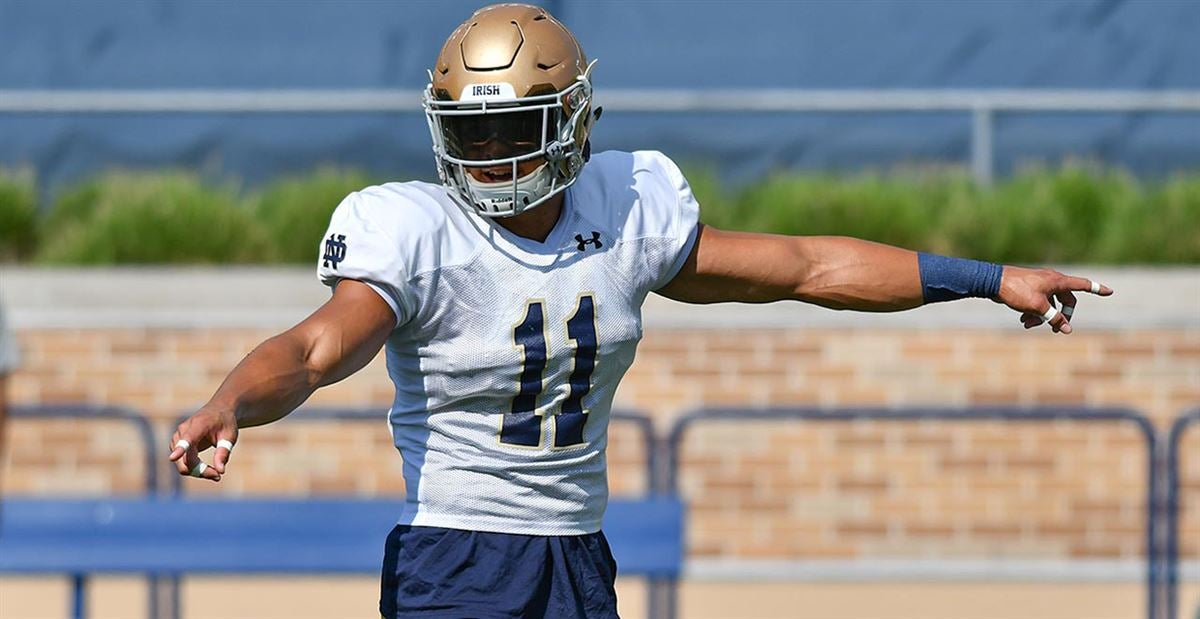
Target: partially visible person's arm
8,362
3,417
852,274
341,337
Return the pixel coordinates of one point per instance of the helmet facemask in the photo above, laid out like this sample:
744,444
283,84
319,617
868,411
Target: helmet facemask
496,128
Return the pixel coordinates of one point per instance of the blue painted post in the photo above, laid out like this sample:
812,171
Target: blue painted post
655,598
982,167
78,596
152,596
1173,500
671,602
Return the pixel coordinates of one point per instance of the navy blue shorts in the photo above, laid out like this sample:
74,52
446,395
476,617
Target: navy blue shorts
452,574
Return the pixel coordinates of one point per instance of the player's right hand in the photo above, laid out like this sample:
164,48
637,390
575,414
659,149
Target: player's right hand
205,429
1033,293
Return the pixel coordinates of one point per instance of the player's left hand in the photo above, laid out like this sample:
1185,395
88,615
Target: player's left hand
1034,293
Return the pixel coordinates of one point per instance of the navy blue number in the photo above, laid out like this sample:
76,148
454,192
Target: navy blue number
523,426
568,428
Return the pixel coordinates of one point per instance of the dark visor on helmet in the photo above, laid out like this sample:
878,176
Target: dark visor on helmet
482,137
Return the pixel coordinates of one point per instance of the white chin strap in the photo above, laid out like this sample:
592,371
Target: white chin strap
496,199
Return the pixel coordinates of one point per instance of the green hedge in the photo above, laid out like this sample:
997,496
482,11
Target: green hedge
295,210
18,224
1074,213
151,218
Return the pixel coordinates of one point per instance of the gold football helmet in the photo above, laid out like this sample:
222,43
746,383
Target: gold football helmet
509,109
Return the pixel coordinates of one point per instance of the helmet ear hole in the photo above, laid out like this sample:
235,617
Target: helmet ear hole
596,114
587,151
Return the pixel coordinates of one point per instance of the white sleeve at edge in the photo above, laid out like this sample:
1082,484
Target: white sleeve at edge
361,245
683,219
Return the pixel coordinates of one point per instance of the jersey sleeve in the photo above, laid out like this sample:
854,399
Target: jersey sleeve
670,214
361,244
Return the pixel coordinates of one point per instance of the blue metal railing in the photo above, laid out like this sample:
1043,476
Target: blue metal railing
1163,500
814,414
658,586
1173,443
317,413
90,412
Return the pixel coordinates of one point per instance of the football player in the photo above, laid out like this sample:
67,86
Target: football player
508,300
8,363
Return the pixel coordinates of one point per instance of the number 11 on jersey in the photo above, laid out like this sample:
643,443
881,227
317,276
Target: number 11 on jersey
523,426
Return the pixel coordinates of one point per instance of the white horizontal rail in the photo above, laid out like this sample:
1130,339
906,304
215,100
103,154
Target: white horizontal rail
620,100
208,101
982,104
899,100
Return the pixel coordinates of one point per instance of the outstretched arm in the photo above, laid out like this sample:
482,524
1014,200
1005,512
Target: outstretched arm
338,339
3,414
848,274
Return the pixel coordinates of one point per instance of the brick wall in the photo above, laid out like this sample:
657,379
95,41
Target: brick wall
758,490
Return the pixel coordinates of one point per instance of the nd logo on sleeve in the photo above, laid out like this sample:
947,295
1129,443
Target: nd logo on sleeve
335,250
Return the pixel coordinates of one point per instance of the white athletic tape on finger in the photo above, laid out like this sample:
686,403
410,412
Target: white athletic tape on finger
1068,311
1049,314
226,444
198,470
182,444
1095,286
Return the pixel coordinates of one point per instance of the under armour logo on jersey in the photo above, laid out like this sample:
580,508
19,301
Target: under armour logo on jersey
583,243
335,249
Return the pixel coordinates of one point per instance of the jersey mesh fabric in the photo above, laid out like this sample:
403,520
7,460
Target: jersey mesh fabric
455,358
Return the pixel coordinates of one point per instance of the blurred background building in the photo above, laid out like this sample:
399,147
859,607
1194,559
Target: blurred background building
786,519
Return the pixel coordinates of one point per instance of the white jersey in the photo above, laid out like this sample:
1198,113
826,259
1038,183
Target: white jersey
507,351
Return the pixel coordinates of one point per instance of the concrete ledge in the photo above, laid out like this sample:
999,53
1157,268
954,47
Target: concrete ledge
275,298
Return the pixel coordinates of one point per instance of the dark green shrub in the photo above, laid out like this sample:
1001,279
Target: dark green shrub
295,210
1047,216
910,211
151,218
1073,213
18,223
1163,229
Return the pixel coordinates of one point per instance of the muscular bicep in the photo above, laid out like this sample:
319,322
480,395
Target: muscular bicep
3,410
830,271
345,333
739,266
